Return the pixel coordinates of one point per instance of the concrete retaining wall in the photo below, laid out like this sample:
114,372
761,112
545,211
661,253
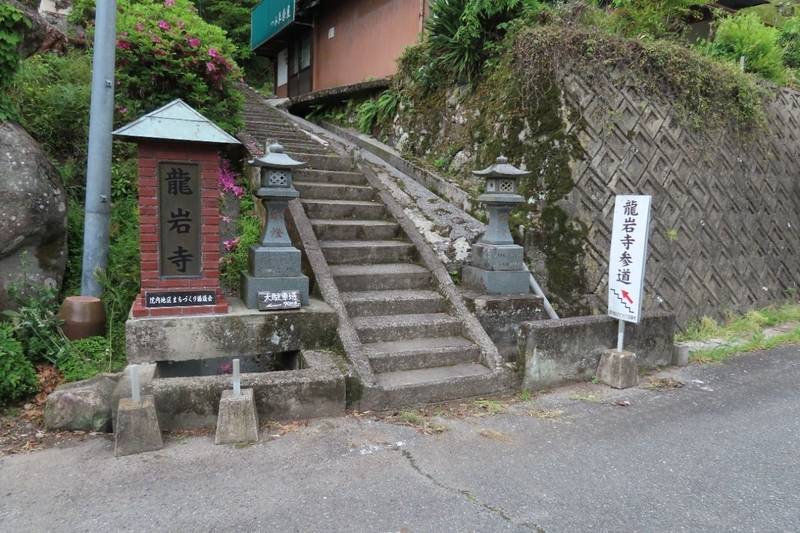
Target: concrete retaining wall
559,351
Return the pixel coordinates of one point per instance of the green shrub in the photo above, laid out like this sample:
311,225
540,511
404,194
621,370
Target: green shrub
790,41
746,36
36,324
17,375
654,18
460,32
165,50
235,259
377,110
51,93
12,24
86,358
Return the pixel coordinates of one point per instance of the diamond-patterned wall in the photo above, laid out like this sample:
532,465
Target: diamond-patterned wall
726,211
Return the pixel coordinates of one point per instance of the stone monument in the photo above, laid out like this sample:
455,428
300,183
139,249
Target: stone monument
497,264
274,280
179,162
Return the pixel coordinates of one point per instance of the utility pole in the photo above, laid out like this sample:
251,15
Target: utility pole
98,168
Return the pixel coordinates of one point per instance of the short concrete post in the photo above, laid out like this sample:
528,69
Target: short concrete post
237,421
137,429
618,369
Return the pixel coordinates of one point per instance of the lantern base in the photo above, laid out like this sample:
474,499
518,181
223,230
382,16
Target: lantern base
274,261
495,281
502,257
252,285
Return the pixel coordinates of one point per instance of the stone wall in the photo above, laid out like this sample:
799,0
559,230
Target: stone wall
726,208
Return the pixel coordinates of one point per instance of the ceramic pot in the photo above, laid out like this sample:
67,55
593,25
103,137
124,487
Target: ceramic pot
83,316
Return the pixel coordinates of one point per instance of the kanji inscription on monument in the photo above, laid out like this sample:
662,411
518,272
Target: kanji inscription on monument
180,217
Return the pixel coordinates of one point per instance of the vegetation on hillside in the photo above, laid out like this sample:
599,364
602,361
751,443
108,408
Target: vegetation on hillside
165,50
486,80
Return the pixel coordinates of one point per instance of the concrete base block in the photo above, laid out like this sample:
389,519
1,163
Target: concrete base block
681,356
237,422
252,286
618,369
495,282
137,429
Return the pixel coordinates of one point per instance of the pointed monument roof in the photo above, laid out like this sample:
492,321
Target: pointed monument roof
176,121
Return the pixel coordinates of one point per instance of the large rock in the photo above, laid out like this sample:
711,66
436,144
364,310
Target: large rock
48,26
33,214
81,406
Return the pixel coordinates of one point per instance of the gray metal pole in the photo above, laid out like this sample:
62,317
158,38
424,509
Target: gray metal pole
98,169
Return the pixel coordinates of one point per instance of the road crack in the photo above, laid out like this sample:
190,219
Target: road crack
470,497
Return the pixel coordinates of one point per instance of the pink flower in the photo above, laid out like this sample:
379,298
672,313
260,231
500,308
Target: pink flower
123,45
210,67
194,42
139,26
169,3
231,244
156,39
213,52
163,24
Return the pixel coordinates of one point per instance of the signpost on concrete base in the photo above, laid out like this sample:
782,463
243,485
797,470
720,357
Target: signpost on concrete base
626,273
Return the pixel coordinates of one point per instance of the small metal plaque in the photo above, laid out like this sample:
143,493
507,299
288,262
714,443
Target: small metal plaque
275,301
180,219
180,299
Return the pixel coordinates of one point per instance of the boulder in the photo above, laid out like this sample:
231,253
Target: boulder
82,406
33,214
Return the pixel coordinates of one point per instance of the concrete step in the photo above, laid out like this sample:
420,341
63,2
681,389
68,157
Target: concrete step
334,191
329,176
372,303
339,209
307,148
398,327
280,138
390,276
398,356
349,230
367,252
430,376
324,162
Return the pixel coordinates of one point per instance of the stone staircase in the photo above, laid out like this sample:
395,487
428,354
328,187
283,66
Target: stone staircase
414,338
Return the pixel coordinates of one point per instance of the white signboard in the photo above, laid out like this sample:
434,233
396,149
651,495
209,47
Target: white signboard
626,265
274,301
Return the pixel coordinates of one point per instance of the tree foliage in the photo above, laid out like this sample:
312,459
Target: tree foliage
12,24
165,50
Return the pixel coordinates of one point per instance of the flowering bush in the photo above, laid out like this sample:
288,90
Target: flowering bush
228,180
165,50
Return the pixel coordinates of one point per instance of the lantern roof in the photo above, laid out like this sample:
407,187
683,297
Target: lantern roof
501,169
176,121
276,158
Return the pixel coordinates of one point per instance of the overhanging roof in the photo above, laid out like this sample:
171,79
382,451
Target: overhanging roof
176,121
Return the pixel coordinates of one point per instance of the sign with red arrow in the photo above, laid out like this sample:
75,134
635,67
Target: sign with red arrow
626,265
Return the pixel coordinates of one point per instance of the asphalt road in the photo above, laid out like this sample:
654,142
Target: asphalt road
719,454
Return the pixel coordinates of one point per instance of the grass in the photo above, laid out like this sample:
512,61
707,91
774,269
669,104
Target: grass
743,333
755,343
420,422
488,407
738,326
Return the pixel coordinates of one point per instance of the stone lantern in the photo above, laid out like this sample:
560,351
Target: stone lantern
497,265
275,280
